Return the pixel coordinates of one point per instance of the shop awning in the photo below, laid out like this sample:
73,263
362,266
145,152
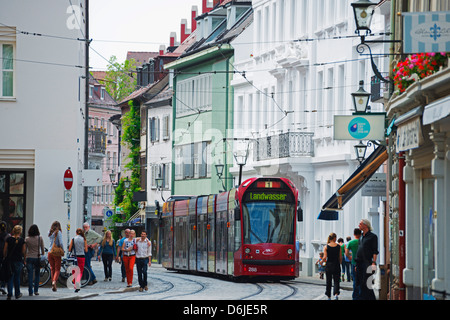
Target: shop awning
353,184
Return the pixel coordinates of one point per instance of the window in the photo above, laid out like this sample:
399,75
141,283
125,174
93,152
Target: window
193,95
191,161
6,70
160,171
166,127
153,129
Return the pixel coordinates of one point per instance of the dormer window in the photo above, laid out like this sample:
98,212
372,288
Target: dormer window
102,95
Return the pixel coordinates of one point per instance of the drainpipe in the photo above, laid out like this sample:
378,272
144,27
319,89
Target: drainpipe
401,225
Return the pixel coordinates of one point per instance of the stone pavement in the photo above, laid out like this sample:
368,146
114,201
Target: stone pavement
117,286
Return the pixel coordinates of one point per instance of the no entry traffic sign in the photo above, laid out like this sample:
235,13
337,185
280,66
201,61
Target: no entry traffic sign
68,179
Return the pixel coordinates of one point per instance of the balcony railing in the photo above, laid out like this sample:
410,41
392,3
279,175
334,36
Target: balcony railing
284,145
97,141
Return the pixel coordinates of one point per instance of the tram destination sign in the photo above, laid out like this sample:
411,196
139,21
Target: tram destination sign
265,196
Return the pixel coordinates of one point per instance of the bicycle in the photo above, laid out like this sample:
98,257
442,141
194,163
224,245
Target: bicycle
44,273
67,265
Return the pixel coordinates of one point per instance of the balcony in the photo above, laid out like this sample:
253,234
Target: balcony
97,141
284,145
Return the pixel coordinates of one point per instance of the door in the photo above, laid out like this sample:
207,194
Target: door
12,198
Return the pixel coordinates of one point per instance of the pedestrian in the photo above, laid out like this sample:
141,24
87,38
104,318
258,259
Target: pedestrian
108,253
79,246
143,259
341,244
34,249
14,252
321,265
366,259
346,261
129,256
3,236
119,256
93,239
56,240
350,253
332,255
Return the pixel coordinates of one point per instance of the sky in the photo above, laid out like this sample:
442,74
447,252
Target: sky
117,26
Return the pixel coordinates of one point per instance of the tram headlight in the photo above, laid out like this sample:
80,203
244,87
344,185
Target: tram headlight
247,250
289,251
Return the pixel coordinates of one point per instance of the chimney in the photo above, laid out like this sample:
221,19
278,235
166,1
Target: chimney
194,14
185,32
173,39
207,6
162,49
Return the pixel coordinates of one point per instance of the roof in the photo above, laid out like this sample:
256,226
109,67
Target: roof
145,93
96,100
219,36
141,57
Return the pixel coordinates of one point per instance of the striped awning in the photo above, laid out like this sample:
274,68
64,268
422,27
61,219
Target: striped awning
353,184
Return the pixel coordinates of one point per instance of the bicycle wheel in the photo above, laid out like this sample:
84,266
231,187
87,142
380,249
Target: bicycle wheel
44,275
24,276
86,277
63,275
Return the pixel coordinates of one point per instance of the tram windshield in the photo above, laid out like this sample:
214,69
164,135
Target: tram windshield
268,222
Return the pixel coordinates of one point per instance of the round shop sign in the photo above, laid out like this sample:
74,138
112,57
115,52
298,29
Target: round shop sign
359,128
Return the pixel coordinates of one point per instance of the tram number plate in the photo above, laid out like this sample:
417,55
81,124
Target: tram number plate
252,269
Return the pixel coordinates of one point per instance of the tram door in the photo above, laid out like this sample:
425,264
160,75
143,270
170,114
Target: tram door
181,234
167,235
192,235
231,232
202,248
221,233
210,230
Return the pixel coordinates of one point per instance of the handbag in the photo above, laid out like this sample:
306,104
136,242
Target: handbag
56,251
42,260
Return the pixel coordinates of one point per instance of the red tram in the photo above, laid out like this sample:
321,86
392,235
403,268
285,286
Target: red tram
245,232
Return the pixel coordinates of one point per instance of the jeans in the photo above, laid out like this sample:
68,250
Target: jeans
14,281
356,289
33,269
88,256
141,266
107,259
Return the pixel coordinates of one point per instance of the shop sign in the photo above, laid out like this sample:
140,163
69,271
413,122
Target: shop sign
360,127
426,31
409,135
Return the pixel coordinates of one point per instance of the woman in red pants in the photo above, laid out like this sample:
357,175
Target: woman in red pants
129,256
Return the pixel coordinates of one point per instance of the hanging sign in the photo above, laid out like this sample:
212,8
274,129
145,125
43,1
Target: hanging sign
426,31
359,127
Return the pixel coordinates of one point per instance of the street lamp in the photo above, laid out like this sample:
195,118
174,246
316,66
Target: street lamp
126,183
360,99
241,160
363,11
360,149
219,171
159,183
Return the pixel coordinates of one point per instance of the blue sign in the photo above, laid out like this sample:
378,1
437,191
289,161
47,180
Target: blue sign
359,128
109,213
426,31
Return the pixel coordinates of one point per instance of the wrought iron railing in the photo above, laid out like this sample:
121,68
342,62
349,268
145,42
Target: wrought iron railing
284,145
97,141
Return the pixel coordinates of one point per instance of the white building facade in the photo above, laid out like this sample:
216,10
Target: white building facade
41,113
300,67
